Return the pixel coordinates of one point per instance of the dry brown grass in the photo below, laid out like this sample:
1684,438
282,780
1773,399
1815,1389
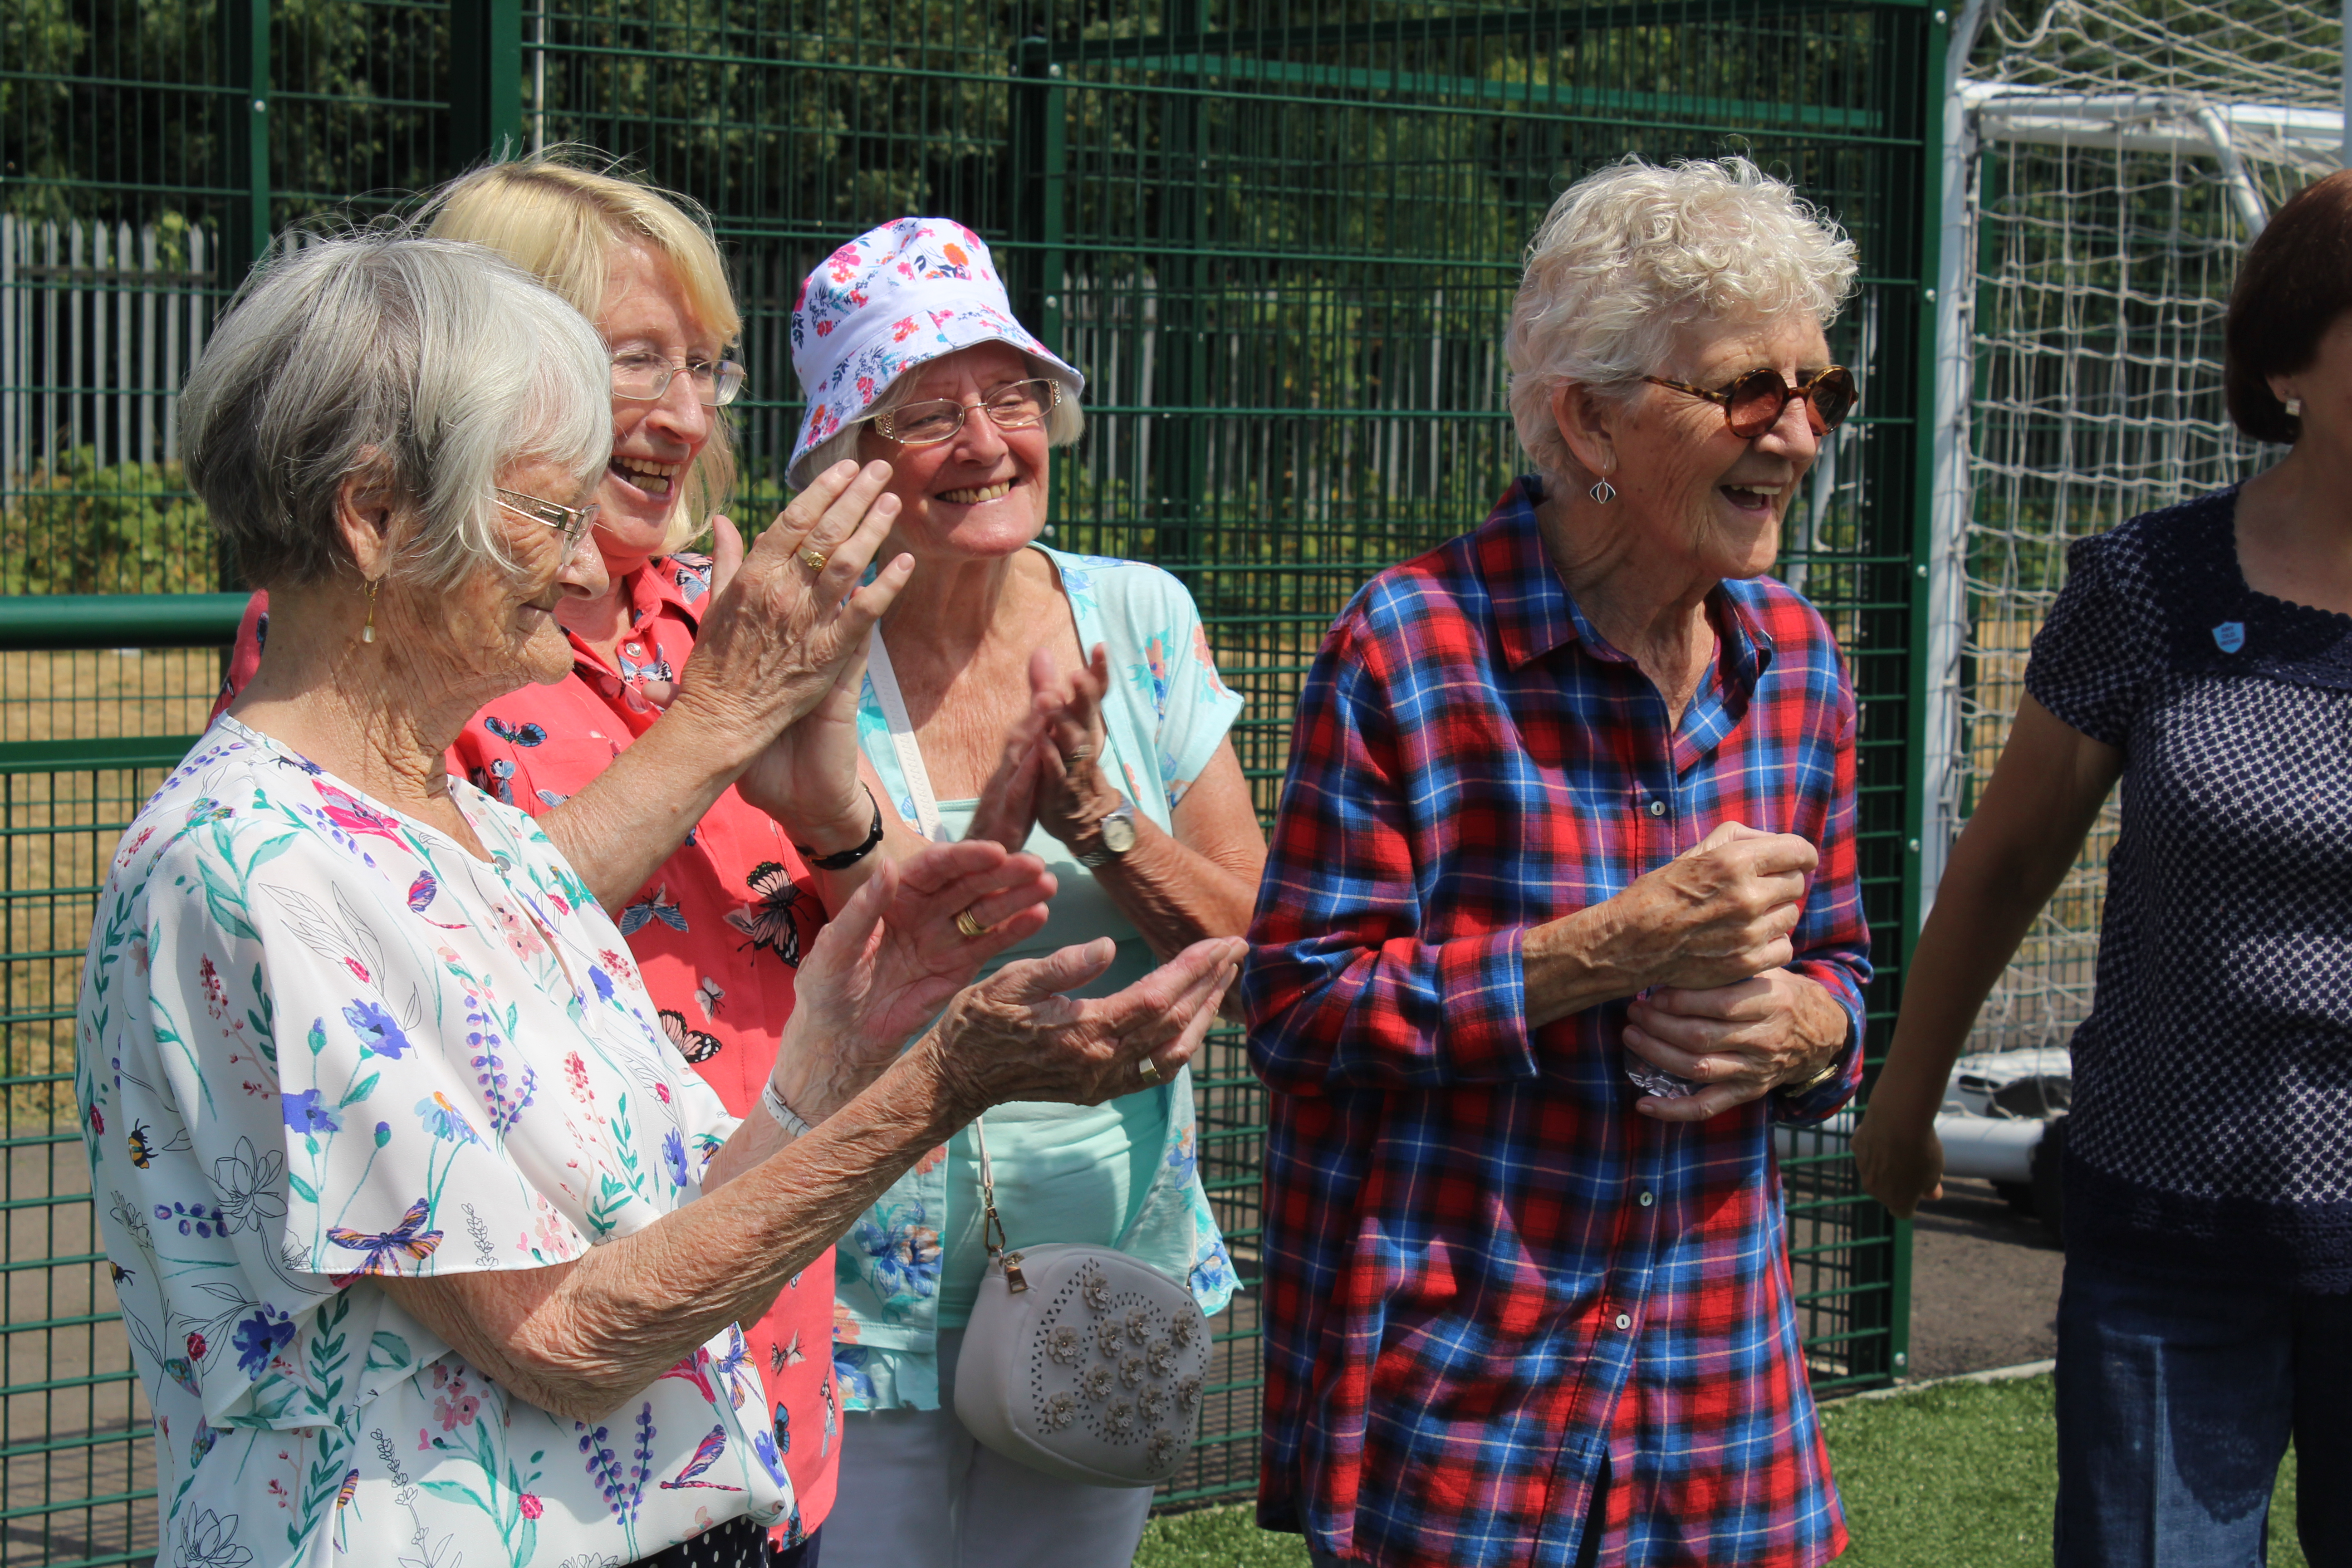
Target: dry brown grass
60,828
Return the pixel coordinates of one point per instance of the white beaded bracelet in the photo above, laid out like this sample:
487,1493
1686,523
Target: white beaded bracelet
788,1119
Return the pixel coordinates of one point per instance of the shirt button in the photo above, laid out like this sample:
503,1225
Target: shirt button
1623,1321
1646,1199
1657,808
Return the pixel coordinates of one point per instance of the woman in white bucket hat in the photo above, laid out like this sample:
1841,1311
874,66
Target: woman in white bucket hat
1061,703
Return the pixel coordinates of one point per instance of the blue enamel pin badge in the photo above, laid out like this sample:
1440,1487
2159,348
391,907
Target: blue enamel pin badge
2230,636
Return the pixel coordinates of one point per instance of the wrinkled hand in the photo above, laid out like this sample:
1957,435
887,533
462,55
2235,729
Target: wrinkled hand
893,957
806,778
1007,809
1074,791
1718,914
776,638
1016,1036
1736,1042
1901,1166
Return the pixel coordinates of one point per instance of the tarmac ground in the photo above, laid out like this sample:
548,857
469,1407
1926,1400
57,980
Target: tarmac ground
1984,1284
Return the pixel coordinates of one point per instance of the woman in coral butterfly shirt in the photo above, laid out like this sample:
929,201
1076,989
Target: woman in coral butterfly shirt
716,928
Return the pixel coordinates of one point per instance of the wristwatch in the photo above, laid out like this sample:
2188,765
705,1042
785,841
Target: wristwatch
1116,828
1829,1069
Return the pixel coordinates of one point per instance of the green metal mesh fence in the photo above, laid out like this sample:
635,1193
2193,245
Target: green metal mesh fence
1279,237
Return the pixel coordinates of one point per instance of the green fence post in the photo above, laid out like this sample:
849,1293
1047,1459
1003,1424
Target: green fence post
1928,63
1040,173
245,146
1180,449
485,81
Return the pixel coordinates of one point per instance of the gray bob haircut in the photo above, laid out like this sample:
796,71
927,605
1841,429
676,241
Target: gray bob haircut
427,366
1632,255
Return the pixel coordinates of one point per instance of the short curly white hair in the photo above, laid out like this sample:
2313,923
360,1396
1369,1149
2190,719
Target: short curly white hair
1630,255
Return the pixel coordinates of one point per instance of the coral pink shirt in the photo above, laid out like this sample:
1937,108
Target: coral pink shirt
717,931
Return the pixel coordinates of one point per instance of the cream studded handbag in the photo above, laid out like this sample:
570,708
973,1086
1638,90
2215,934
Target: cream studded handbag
1080,1362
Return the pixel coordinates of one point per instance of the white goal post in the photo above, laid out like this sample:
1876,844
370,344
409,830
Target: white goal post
2090,232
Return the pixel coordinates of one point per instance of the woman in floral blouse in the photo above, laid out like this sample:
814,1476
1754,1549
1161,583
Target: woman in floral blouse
430,1245
1117,772
719,918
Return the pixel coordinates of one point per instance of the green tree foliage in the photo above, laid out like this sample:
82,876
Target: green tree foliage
128,528
106,107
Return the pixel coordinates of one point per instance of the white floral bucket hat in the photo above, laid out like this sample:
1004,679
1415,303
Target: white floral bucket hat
895,297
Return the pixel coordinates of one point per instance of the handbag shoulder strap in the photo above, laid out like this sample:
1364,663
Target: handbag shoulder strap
992,1228
902,740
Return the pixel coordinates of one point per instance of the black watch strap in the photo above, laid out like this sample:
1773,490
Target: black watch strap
847,858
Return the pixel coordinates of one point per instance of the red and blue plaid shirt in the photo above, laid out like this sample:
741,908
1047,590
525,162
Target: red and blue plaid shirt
1489,1283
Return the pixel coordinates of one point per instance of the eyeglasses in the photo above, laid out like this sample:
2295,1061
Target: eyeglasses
1014,408
571,522
643,378
1752,405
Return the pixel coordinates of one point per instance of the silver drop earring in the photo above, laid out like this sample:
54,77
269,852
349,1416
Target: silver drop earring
2294,407
1603,491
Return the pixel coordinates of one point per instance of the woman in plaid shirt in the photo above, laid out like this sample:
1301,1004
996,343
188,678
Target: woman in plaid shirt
1561,918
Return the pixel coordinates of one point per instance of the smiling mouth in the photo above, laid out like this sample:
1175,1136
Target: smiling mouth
653,478
978,494
1753,498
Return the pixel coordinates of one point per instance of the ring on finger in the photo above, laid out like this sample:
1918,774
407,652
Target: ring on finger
1147,1071
813,558
1079,755
968,924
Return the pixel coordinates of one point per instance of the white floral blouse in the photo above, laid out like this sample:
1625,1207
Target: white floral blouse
319,1041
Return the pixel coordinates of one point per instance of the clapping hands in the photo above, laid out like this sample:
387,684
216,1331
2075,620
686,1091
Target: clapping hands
894,956
1050,771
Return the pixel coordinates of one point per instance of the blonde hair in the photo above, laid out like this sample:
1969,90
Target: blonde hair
561,214
1630,255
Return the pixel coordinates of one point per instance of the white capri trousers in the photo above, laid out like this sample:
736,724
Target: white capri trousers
916,1491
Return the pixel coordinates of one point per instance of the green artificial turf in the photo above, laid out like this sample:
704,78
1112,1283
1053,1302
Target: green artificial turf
1961,1473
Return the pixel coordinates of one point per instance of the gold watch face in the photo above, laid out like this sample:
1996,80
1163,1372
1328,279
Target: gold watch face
1119,833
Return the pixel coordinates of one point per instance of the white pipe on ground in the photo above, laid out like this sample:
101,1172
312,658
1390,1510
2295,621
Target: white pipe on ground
1989,1148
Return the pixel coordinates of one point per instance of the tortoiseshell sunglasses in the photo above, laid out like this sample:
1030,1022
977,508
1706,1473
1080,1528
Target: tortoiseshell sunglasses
1752,405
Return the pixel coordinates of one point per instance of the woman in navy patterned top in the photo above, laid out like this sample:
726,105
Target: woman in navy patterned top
2203,656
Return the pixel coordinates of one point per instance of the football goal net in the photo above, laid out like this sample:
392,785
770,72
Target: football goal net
2106,162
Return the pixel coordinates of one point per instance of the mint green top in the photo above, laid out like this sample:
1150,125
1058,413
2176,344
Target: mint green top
1064,1173
1125,1174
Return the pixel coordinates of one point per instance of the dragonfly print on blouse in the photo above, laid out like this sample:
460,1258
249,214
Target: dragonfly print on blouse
304,1062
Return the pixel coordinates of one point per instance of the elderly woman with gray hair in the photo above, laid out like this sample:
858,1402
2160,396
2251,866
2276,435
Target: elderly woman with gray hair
1062,705
1561,917
430,1243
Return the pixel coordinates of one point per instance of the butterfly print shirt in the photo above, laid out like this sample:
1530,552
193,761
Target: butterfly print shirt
717,931
320,1042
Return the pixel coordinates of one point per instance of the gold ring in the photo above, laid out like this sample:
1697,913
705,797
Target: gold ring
813,558
1147,1071
968,924
1080,756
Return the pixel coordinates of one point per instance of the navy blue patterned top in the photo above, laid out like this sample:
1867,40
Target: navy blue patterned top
2211,1131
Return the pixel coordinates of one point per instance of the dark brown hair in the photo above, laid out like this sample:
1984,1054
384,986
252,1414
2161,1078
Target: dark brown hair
2295,280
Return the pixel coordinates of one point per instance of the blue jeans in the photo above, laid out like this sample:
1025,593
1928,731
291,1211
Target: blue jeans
2175,1404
